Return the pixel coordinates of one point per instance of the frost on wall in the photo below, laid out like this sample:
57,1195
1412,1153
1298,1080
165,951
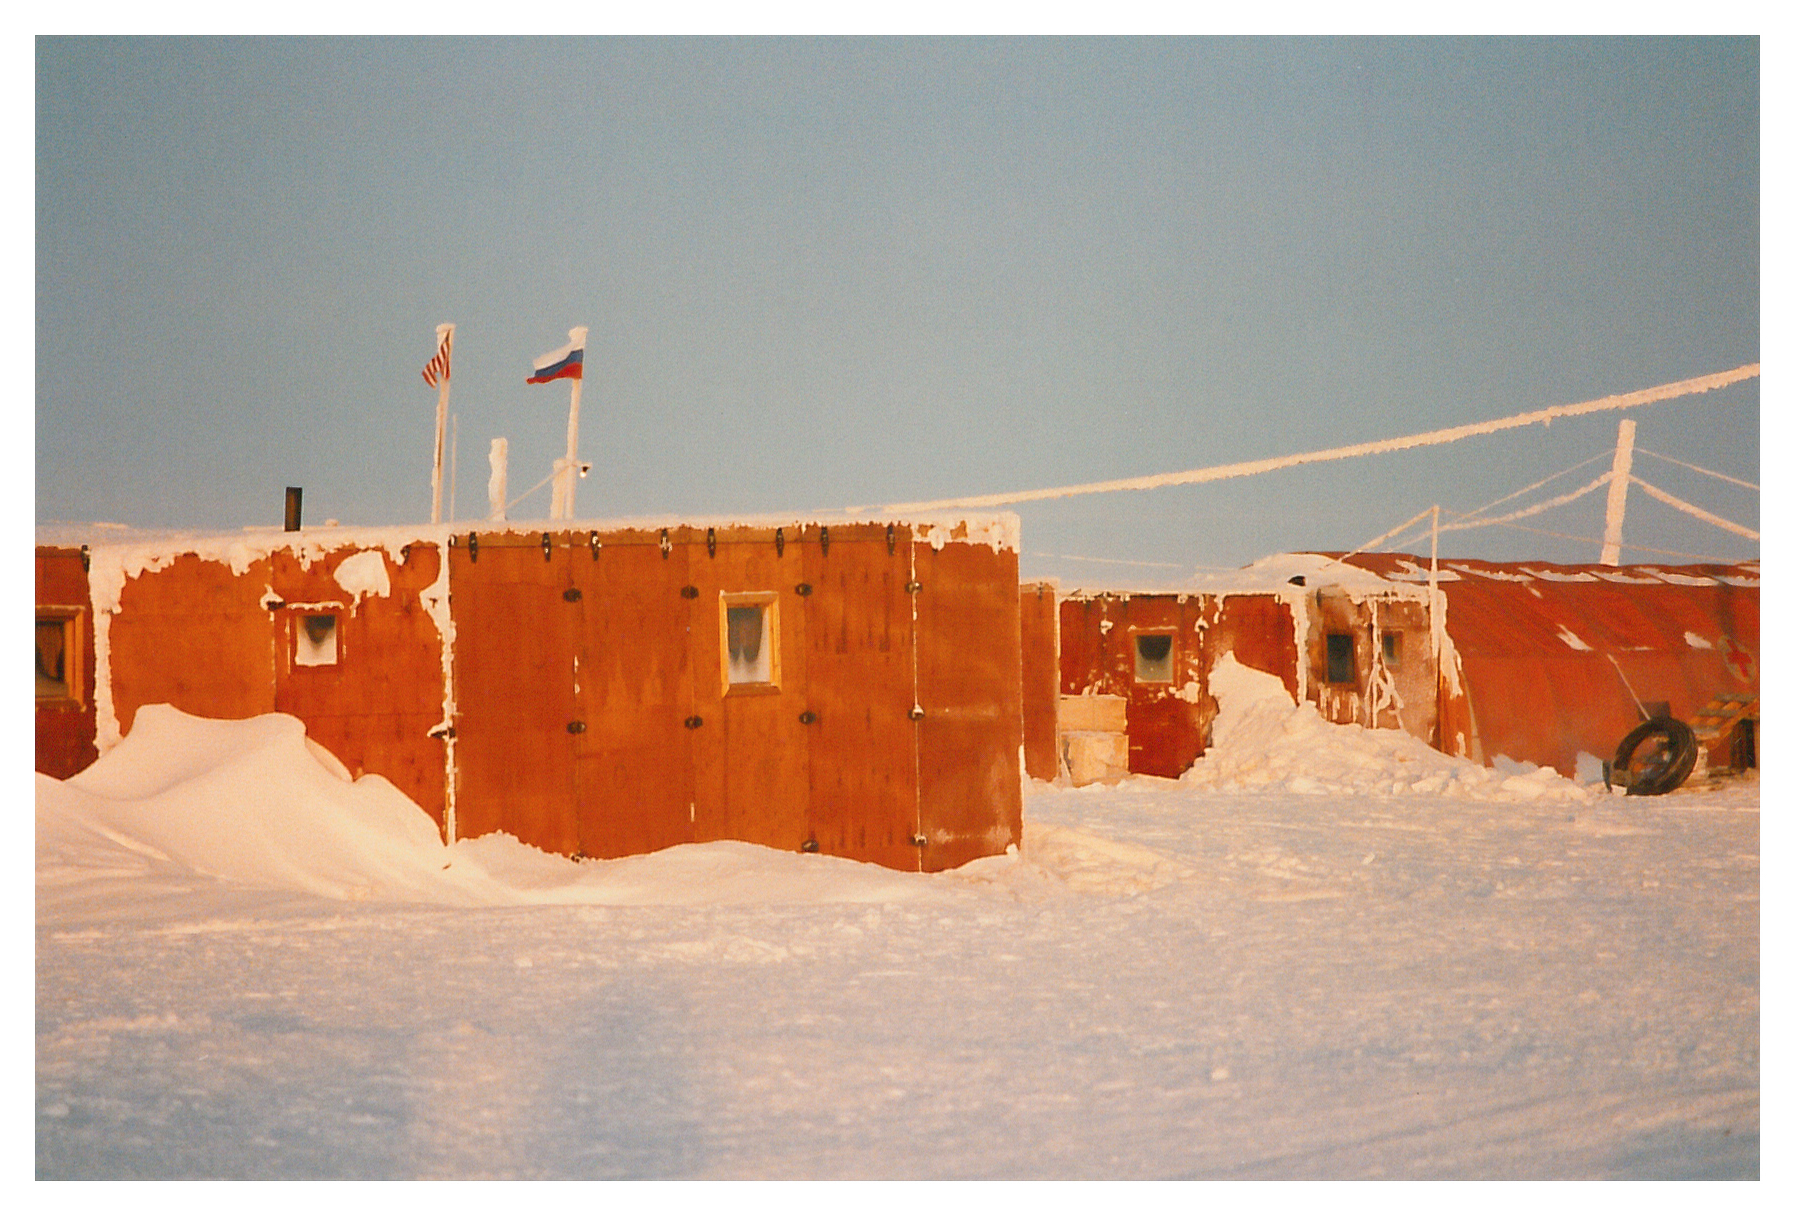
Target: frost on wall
364,573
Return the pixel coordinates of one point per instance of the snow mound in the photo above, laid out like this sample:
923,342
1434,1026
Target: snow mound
1264,740
256,803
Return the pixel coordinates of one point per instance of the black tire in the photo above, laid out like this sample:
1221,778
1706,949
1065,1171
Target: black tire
1665,749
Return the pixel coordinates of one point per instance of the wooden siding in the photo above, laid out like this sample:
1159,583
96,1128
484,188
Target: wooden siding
633,761
969,685
66,726
375,708
195,636
863,799
1040,681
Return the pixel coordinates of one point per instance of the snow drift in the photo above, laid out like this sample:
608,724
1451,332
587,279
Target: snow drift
1265,740
256,803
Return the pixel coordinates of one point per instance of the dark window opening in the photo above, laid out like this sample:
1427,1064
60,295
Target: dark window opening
315,641
1392,650
1153,658
1341,668
53,659
750,623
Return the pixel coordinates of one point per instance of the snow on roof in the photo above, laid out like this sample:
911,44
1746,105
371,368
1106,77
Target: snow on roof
1001,530
1272,575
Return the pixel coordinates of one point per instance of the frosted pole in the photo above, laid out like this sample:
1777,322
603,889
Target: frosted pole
454,434
1617,493
445,334
570,469
495,485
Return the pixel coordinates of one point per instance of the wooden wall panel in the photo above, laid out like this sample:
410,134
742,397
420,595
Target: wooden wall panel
634,761
196,636
514,643
66,727
751,778
969,682
861,686
1040,680
374,710
1165,732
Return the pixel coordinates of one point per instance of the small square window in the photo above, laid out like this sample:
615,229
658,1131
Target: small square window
750,628
1341,666
1393,650
315,636
58,657
1153,658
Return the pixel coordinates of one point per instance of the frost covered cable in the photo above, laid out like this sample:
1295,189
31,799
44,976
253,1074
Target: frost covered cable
1671,500
1697,468
1629,685
1620,401
532,489
1535,509
1592,540
1377,539
1108,561
1476,511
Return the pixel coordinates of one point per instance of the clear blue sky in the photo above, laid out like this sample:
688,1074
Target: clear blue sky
823,273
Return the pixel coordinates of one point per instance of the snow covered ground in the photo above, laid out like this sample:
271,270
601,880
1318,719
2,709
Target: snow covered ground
1324,953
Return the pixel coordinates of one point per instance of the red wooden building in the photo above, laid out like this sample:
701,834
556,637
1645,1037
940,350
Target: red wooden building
1534,661
851,688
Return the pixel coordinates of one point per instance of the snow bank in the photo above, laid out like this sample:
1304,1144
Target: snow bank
256,803
1264,740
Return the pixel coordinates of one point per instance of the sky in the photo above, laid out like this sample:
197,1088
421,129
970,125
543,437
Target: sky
823,274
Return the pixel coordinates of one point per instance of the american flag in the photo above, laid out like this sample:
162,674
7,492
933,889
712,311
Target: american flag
437,370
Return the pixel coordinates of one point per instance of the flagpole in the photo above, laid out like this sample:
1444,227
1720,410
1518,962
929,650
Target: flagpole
444,333
570,471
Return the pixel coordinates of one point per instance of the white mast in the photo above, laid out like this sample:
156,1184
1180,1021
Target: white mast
567,471
1617,494
445,337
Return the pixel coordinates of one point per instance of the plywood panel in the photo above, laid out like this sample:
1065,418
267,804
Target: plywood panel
1040,680
196,636
969,680
751,778
1164,730
375,708
634,761
66,727
515,635
861,686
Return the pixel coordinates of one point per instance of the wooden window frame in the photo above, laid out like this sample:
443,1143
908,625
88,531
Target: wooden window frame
1171,659
296,614
1352,659
74,653
1390,642
769,624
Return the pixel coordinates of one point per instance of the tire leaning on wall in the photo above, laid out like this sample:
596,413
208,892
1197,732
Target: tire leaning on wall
1656,757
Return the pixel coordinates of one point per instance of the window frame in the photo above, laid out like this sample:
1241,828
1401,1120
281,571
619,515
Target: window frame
74,653
768,601
1171,655
296,614
1352,659
1390,648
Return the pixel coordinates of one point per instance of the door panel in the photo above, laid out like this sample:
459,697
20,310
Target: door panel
750,756
515,634
634,688
862,684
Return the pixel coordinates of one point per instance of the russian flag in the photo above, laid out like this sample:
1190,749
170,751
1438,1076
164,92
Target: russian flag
565,363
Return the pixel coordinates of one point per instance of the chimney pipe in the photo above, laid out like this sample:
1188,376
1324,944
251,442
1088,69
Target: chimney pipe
294,493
